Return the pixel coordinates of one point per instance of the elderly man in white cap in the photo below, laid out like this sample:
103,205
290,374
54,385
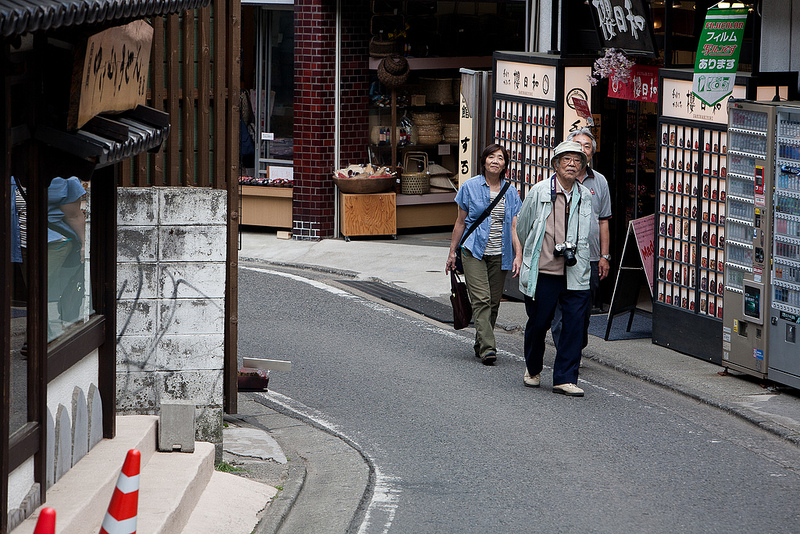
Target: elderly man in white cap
553,227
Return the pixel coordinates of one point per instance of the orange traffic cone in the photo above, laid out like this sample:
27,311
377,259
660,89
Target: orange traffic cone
121,515
46,523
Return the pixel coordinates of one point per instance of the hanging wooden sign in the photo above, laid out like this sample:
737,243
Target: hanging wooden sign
110,72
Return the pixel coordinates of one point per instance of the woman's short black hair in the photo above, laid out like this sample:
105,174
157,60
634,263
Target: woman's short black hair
490,149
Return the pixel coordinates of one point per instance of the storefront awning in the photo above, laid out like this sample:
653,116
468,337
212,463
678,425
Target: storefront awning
23,16
109,139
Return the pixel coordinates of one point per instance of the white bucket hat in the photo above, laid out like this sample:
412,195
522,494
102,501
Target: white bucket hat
565,147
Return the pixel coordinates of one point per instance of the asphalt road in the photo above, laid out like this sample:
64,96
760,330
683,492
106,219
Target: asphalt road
460,447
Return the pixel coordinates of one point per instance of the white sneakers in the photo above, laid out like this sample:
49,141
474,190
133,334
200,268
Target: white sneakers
531,381
571,390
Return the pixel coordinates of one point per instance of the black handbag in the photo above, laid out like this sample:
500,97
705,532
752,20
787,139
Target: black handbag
462,309
479,220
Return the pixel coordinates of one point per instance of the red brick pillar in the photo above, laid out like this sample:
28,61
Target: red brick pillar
314,107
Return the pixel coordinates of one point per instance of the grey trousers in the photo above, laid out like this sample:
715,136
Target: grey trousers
485,281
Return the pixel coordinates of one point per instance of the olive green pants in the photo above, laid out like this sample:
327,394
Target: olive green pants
485,281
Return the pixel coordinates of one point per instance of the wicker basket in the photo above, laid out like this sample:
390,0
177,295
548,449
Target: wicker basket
438,90
381,48
419,182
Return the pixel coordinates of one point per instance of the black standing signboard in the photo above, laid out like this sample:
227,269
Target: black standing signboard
635,271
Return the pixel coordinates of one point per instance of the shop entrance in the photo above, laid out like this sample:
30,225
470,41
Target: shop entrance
268,90
267,113
627,158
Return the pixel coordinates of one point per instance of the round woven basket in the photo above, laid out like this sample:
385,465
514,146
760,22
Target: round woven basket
426,118
395,64
382,48
393,79
438,90
415,183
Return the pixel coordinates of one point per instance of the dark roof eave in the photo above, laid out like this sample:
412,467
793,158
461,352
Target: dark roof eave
18,17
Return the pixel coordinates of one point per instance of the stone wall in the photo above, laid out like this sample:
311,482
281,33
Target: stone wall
170,302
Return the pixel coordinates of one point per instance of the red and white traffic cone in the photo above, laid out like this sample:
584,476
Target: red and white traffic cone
121,515
46,524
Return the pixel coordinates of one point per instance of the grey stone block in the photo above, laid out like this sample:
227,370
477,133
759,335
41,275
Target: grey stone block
136,393
176,426
192,206
136,317
95,416
136,205
191,316
63,439
80,425
137,244
192,280
50,476
192,243
137,281
191,352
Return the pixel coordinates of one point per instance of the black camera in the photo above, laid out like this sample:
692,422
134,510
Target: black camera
567,250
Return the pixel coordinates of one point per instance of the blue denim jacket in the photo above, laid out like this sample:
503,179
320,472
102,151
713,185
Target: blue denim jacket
473,197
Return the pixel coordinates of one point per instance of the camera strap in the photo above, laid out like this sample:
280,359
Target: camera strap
553,196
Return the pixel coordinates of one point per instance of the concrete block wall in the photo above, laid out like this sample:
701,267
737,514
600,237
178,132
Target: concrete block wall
313,206
171,302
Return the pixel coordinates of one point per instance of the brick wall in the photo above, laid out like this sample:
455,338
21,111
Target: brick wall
314,107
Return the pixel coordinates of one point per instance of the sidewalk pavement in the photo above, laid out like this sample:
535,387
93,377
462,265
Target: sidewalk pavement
415,262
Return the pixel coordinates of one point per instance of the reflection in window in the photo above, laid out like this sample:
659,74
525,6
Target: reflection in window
68,298
19,353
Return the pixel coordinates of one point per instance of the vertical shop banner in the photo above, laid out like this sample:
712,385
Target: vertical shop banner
718,54
465,142
642,86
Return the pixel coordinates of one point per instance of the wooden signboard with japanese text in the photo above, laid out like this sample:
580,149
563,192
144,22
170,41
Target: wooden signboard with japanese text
110,73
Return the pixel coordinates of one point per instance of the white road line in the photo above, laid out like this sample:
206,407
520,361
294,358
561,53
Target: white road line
318,285
386,492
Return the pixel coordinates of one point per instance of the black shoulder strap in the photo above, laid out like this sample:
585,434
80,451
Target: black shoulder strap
485,213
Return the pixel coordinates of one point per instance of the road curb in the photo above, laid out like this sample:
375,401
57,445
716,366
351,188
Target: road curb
751,417
275,520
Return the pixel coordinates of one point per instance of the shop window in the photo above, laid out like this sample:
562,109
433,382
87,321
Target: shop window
68,298
18,413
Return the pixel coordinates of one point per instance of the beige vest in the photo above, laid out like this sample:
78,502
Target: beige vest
555,232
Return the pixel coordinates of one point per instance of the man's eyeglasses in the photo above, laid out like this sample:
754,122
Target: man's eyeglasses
566,160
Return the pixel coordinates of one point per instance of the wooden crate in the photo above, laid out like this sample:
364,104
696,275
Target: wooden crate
267,206
363,215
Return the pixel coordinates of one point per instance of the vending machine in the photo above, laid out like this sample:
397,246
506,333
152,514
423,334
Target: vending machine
694,257
750,176
784,312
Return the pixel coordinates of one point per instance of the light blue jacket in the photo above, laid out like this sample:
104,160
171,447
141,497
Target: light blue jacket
474,197
531,227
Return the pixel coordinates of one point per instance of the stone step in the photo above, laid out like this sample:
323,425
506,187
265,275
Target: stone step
170,487
229,504
81,496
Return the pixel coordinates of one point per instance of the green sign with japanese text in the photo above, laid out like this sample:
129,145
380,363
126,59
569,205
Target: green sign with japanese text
718,54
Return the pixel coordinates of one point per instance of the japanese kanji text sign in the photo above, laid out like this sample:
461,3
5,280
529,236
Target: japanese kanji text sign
642,86
624,24
718,54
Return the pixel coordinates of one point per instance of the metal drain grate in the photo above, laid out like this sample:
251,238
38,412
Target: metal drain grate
421,305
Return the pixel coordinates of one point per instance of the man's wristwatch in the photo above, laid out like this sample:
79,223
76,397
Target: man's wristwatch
606,257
